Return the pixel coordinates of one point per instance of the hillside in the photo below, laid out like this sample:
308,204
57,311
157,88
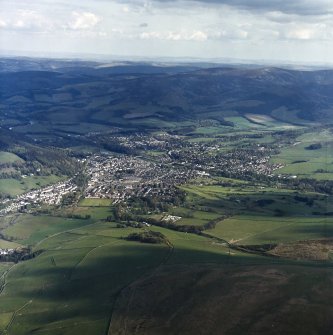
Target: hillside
151,96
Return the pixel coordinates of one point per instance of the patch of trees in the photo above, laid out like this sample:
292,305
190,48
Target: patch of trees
298,161
321,171
77,216
184,228
19,254
81,180
6,238
69,198
264,202
160,203
279,212
320,186
307,200
10,174
54,160
152,237
4,196
113,144
314,146
320,213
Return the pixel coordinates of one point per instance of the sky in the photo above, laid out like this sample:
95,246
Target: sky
271,30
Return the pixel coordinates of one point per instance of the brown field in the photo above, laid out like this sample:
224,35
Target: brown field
314,250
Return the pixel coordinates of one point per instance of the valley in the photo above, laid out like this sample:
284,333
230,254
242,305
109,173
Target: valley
164,200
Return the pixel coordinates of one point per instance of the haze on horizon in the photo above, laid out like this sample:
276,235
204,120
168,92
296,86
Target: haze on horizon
299,31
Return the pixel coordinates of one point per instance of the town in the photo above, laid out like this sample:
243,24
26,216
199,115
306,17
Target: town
135,171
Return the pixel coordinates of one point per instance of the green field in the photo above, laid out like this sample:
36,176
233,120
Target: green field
15,187
192,217
72,286
300,161
246,229
91,202
8,157
29,229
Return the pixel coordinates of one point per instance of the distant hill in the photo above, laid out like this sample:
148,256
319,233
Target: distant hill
155,95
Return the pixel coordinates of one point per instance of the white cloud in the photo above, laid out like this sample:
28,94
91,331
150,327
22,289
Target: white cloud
3,23
26,20
83,20
301,34
197,35
210,28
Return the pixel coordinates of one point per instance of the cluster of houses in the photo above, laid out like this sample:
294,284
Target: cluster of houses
50,195
122,177
205,156
5,252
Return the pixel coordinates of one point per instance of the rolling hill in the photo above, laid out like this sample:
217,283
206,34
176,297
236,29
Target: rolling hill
135,95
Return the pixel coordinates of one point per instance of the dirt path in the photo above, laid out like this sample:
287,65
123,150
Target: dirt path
262,232
87,254
3,277
62,232
5,331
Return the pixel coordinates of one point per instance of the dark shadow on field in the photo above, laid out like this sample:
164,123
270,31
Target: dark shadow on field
88,289
227,299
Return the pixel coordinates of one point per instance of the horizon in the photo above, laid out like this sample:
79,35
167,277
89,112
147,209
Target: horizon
160,60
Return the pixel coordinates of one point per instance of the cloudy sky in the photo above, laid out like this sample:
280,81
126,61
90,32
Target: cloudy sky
279,30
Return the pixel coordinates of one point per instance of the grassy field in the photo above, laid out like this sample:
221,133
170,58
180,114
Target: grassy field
72,286
15,187
29,229
192,217
256,199
300,161
8,157
89,202
247,229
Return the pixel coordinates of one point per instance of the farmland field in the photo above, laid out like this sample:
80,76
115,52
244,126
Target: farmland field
15,187
304,162
248,229
7,157
51,298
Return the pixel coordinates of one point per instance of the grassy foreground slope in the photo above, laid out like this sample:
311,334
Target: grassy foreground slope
90,280
72,286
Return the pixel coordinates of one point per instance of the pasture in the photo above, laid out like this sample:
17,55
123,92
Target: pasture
259,229
8,157
93,202
15,187
301,161
71,288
